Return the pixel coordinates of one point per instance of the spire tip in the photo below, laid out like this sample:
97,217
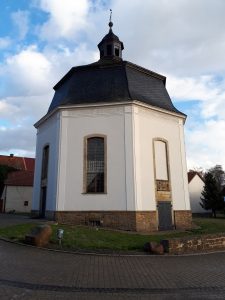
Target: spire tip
110,20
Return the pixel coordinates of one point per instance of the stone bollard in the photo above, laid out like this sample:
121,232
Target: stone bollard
39,236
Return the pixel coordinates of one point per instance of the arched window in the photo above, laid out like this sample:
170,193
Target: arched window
44,182
161,165
95,165
44,173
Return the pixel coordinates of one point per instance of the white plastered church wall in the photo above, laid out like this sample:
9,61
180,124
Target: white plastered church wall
149,125
130,131
116,124
47,134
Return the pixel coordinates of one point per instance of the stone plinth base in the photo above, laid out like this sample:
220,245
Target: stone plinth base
182,219
124,220
142,221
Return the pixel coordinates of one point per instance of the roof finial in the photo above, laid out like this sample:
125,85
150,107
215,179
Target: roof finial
110,21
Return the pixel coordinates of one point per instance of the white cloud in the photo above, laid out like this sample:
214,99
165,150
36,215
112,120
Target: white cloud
31,72
205,144
26,73
182,37
25,109
206,89
7,110
21,21
205,125
65,18
63,58
28,80
21,113
5,42
19,139
191,88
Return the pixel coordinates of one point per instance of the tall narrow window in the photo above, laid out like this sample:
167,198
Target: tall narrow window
161,165
95,165
44,173
44,183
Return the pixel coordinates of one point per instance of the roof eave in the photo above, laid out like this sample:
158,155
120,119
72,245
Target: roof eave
101,104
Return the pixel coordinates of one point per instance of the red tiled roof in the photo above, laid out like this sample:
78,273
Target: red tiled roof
29,163
20,178
192,174
19,163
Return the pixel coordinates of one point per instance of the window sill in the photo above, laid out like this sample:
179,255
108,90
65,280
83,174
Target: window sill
85,193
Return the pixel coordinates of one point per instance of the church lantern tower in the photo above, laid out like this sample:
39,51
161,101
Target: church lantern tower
110,46
110,150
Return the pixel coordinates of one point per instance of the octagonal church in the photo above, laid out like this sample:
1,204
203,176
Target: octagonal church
110,150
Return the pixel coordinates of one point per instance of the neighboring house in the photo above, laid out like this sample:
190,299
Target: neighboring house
17,190
17,162
17,193
110,149
195,186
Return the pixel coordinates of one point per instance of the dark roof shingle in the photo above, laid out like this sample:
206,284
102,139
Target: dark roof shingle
112,81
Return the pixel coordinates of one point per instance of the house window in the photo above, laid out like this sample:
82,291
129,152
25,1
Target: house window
45,158
25,203
95,165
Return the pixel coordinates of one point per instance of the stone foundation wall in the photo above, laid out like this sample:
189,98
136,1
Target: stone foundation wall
50,215
141,221
123,220
193,244
182,219
146,221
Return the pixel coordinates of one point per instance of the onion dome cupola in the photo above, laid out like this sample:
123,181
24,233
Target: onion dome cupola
110,46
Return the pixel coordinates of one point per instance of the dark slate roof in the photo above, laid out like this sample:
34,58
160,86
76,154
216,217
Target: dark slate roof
112,81
111,37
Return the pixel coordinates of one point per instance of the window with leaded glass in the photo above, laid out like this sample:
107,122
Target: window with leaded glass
95,165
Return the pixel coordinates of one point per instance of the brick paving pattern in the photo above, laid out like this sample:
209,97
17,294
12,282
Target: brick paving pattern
30,273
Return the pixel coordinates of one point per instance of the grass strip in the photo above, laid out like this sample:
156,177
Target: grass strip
90,238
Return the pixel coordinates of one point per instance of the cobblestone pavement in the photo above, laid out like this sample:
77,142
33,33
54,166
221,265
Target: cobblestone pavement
30,273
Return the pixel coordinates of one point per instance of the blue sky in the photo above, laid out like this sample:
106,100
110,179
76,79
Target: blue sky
40,40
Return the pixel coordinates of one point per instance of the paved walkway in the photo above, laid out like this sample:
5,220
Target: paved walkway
30,273
13,219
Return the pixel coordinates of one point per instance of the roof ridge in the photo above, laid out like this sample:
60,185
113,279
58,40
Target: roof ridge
146,71
128,88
